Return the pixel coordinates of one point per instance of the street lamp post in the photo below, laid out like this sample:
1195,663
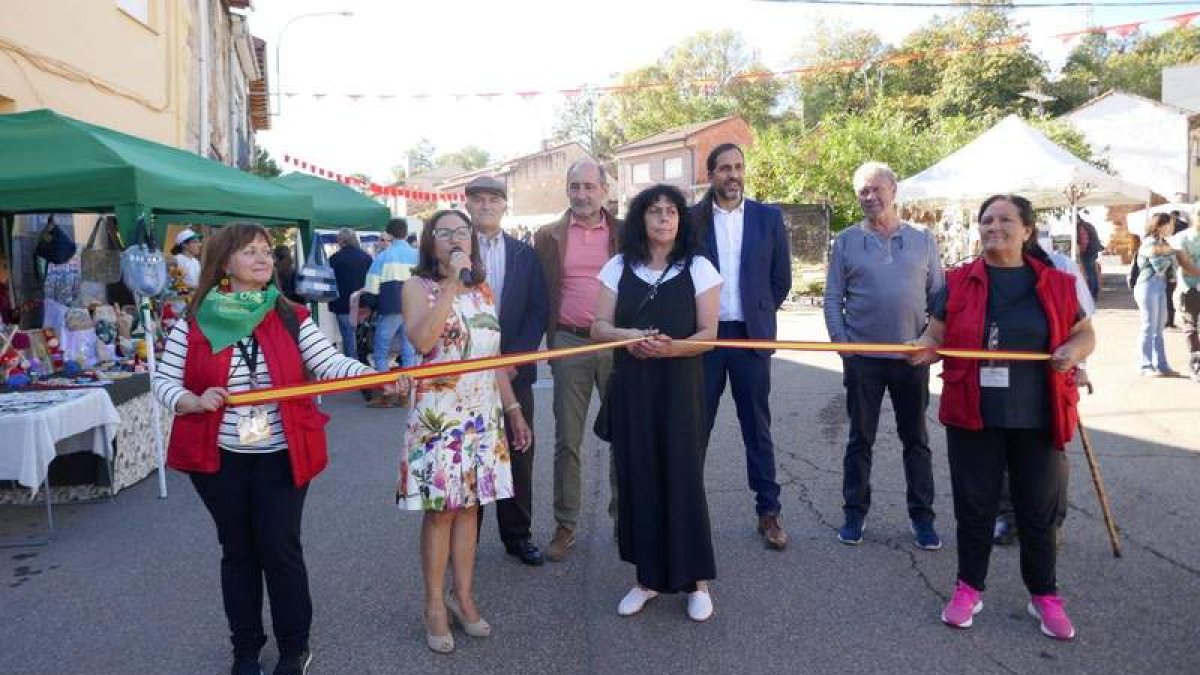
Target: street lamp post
279,40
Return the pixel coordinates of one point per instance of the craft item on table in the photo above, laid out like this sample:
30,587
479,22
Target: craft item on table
126,320
53,348
37,369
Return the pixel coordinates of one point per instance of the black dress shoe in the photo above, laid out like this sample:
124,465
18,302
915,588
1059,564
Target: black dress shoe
526,552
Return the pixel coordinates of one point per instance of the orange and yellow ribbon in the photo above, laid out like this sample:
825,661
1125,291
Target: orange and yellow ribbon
309,389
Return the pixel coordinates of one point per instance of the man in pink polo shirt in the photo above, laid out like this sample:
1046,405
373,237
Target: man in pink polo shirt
572,251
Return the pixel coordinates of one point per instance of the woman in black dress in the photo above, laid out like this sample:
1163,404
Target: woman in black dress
658,286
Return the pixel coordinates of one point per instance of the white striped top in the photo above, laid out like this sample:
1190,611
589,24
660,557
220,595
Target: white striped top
320,358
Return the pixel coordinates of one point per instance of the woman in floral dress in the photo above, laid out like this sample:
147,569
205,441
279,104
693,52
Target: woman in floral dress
455,457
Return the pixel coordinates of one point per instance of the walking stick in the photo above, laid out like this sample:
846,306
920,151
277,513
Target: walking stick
1098,482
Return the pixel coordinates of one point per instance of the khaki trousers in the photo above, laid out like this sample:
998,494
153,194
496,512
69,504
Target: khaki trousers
575,377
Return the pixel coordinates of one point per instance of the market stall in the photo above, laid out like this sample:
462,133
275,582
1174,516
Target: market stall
50,163
1014,158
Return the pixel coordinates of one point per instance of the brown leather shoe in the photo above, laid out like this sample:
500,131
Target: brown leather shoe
561,544
772,532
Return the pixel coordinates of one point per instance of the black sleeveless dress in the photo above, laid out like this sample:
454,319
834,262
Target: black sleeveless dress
658,443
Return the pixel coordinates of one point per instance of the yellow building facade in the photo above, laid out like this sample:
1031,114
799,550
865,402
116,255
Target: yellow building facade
171,71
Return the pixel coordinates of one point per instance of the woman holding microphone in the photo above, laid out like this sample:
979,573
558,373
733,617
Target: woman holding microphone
455,456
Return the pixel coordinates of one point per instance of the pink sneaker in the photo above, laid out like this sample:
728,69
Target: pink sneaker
961,610
1048,609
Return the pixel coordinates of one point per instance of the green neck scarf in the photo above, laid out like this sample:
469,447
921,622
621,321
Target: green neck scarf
226,318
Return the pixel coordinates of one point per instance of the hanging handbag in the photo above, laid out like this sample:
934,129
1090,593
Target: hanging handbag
54,246
602,427
143,266
101,265
316,281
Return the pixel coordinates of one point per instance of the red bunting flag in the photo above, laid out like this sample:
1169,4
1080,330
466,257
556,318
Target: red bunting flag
1126,29
1182,20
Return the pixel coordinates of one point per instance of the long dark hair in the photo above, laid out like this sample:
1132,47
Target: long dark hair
635,243
218,249
1024,208
427,262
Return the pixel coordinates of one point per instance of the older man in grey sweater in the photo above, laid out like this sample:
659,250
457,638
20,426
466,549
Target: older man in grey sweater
882,272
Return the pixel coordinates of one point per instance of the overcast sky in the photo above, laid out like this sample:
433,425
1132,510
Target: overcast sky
454,46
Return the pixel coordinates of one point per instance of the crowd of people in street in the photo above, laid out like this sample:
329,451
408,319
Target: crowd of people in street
669,273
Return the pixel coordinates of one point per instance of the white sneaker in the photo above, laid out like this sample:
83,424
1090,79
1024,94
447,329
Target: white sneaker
700,606
635,600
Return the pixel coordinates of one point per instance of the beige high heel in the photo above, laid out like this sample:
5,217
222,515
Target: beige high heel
442,644
480,628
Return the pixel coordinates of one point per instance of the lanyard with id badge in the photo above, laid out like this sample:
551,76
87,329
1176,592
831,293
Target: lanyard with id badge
253,426
992,373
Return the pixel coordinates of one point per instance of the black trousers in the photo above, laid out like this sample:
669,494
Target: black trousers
257,510
866,379
1006,507
978,460
514,516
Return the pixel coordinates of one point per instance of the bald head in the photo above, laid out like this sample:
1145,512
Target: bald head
587,190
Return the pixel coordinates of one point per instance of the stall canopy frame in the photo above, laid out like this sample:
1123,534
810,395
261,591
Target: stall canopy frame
53,163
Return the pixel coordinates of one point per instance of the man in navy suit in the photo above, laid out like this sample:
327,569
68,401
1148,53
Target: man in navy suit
748,243
515,276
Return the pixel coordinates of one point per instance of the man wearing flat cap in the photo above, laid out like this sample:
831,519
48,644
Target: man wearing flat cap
515,277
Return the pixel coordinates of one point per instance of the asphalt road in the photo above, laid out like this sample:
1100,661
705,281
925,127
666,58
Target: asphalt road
131,586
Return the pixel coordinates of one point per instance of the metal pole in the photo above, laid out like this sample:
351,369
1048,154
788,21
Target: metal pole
155,411
279,41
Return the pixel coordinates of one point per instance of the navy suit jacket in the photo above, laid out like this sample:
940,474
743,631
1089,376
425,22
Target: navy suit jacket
523,305
766,266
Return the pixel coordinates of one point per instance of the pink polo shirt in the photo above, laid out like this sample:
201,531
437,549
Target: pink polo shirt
587,251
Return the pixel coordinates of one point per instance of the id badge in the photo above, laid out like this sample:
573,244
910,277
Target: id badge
993,376
254,428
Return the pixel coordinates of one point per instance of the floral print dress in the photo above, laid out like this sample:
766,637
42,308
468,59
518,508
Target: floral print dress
455,454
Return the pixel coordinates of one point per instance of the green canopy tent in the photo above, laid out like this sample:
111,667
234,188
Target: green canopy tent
337,205
53,163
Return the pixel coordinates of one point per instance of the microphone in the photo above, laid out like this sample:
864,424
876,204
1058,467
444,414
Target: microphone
464,274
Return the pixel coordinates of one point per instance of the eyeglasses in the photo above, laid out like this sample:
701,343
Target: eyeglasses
446,234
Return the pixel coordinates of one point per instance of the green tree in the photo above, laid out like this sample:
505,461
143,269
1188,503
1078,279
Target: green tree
1133,64
789,163
831,77
468,158
575,120
264,165
962,69
706,76
421,156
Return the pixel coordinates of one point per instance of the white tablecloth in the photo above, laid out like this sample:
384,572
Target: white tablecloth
32,422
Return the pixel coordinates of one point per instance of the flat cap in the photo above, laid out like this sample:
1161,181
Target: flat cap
487,184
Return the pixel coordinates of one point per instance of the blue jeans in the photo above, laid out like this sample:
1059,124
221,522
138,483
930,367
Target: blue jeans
1089,274
387,327
1151,297
349,348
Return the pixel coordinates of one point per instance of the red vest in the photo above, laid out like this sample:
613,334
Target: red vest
193,445
966,309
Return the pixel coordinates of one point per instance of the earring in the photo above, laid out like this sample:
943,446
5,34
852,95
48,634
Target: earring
224,285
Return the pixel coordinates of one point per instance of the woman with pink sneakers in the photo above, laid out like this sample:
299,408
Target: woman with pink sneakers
1008,414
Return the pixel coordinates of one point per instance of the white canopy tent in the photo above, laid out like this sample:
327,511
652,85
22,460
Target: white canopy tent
1014,158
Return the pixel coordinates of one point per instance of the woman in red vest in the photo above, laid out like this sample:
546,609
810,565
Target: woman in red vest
1013,414
251,465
